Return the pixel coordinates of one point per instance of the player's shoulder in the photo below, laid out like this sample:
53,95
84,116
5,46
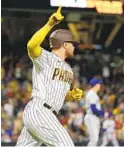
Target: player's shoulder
90,92
46,51
48,54
106,121
68,65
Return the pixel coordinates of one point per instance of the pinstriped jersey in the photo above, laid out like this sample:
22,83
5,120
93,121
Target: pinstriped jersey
51,79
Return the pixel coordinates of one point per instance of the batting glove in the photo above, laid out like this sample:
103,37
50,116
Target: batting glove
75,94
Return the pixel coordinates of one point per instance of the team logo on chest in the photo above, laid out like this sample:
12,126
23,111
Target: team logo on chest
62,75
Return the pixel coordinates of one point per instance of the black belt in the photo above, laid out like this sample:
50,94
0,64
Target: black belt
49,107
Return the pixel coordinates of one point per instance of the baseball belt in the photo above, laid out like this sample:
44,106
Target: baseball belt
49,107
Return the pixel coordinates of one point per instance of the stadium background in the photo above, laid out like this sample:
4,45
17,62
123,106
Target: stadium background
101,54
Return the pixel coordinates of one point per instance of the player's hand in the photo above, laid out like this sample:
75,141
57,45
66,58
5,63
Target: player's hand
77,93
55,18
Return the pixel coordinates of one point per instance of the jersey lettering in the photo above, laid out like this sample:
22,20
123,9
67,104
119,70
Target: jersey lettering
62,75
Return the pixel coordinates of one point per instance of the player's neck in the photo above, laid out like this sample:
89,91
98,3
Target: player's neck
59,53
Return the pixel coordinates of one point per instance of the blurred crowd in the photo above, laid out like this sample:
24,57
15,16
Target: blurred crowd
16,85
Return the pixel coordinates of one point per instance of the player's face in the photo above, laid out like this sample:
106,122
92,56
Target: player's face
69,49
98,86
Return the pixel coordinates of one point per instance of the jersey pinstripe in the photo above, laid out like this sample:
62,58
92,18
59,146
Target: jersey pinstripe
42,126
51,79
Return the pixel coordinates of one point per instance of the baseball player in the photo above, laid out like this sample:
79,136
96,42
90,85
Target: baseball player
93,111
109,131
51,78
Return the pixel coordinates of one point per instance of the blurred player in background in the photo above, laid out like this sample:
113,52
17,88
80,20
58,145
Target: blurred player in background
52,78
93,111
109,134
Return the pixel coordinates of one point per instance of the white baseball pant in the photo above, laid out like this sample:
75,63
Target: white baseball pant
109,138
42,126
92,123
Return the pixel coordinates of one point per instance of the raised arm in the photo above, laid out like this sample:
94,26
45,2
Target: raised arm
33,46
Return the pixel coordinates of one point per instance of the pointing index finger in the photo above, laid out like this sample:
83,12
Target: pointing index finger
59,9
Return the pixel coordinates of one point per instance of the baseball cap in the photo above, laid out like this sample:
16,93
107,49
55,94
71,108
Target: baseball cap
110,115
95,81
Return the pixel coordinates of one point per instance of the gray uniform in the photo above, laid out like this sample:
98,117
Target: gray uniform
91,121
51,79
109,134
